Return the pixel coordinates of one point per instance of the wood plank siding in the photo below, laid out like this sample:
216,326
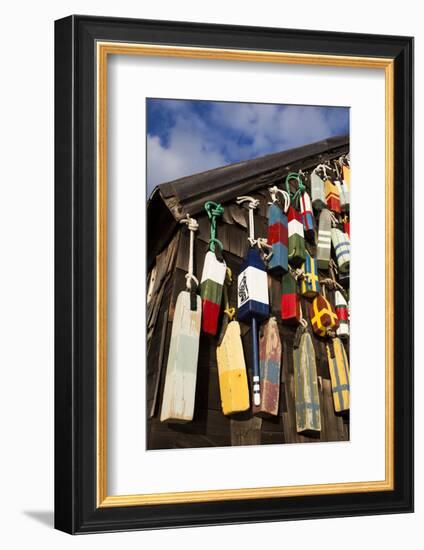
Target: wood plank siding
168,252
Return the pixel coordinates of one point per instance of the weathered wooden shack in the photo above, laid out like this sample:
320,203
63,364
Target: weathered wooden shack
167,258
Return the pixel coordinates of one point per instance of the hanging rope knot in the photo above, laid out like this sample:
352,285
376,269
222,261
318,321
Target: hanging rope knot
297,273
228,276
263,245
189,279
274,191
191,223
301,187
334,220
230,312
214,210
253,204
192,226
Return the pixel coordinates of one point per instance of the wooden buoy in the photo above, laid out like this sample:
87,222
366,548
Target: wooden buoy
343,194
296,238
278,232
211,285
342,314
307,217
213,274
296,231
324,239
339,373
317,190
308,414
346,174
343,188
233,384
323,317
341,246
309,284
332,196
270,368
290,302
252,292
181,371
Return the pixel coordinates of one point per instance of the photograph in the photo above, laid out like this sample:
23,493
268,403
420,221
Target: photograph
248,265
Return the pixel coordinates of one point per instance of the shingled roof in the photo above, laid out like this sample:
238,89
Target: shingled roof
171,201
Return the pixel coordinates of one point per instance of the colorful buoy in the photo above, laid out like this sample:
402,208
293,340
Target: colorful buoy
307,217
309,285
324,239
342,314
181,370
278,233
213,274
339,373
296,238
252,294
270,368
308,413
317,190
233,385
323,317
341,246
332,196
290,302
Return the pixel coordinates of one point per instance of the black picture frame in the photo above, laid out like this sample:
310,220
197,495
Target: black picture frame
76,508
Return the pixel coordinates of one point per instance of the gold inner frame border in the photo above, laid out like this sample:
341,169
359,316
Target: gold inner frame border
103,50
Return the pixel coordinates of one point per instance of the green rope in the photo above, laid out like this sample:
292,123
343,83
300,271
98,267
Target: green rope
301,188
213,210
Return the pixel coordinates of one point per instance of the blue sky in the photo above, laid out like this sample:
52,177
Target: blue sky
185,137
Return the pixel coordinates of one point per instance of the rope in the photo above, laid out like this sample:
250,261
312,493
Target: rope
253,204
333,218
214,210
274,191
297,273
302,320
301,187
192,226
229,311
263,244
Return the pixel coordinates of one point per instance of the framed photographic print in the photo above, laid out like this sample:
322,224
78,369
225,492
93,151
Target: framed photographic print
234,274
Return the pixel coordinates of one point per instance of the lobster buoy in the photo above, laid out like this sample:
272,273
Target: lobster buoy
290,302
296,238
341,246
211,285
324,239
339,373
332,196
323,317
307,217
308,413
317,191
309,285
342,314
277,235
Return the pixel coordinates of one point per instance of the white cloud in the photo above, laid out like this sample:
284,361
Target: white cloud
230,133
189,152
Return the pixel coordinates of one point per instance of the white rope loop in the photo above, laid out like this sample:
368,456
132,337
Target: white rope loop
263,247
274,191
323,168
253,204
192,226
